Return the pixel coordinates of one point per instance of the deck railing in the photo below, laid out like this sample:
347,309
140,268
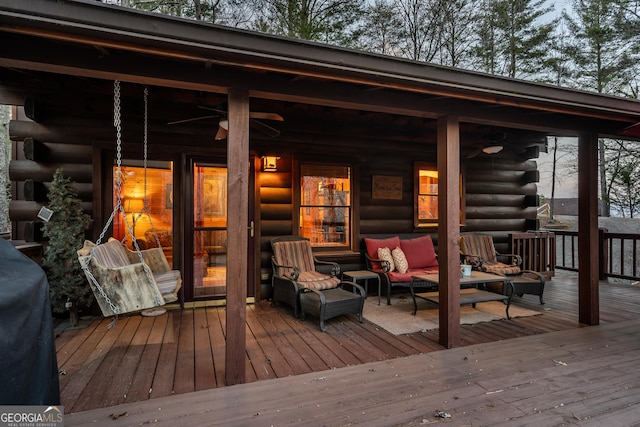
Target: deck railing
617,257
537,250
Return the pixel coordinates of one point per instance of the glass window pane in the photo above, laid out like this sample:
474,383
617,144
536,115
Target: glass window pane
159,213
427,207
210,263
325,200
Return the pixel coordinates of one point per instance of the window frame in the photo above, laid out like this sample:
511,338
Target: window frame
353,211
423,223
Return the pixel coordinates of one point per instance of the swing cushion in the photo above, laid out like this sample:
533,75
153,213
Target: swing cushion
111,254
167,281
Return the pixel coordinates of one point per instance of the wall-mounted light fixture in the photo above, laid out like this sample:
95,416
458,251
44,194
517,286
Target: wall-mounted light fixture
270,163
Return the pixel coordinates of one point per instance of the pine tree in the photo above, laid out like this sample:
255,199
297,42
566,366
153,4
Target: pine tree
512,40
65,231
327,21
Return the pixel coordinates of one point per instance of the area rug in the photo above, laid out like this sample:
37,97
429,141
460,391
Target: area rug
397,318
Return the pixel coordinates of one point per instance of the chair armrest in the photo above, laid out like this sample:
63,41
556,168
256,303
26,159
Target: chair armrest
295,273
323,299
386,266
535,274
514,259
353,286
335,268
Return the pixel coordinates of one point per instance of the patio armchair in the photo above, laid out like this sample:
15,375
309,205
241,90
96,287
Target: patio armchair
309,285
479,251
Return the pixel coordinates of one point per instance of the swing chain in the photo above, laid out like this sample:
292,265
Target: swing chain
117,122
85,266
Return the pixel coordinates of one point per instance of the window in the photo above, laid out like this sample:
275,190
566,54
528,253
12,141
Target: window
325,204
159,214
426,192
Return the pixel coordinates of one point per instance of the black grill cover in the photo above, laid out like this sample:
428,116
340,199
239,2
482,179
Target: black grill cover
28,365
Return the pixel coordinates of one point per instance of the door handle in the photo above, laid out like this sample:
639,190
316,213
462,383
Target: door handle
251,229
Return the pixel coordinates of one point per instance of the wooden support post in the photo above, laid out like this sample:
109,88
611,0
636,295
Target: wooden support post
449,229
237,232
589,304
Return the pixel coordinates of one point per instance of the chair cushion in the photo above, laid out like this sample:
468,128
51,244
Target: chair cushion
420,252
479,245
111,254
385,254
294,253
400,260
500,268
374,244
317,280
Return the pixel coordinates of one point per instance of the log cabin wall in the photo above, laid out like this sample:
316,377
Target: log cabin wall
500,198
32,168
500,190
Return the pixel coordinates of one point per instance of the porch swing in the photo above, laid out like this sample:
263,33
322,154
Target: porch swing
124,280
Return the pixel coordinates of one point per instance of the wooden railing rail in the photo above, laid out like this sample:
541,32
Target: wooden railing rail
618,253
537,250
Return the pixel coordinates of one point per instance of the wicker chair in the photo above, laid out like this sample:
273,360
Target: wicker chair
479,251
309,285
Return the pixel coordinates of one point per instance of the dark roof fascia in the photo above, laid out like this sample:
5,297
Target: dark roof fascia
93,22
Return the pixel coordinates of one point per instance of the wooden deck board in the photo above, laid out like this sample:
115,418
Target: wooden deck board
108,385
205,376
142,382
217,343
163,379
407,391
535,361
184,380
78,381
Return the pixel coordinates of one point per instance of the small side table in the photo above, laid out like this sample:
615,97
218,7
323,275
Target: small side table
363,275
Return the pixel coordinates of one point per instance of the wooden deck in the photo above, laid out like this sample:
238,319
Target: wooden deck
183,352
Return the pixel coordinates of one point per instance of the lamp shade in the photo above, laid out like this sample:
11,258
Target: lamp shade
133,205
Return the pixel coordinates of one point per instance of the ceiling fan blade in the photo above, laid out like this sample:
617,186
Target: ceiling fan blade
252,114
266,116
221,134
217,110
266,129
475,153
192,119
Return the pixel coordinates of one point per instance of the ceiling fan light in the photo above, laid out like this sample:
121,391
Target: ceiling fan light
492,149
224,124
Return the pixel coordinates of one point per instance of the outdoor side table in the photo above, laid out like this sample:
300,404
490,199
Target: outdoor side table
363,275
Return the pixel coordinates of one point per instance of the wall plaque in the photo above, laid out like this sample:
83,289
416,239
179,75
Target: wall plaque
386,187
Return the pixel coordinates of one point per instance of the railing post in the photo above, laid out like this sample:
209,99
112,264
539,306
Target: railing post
603,254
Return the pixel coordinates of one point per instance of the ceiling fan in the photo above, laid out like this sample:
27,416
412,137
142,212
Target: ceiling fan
493,143
223,123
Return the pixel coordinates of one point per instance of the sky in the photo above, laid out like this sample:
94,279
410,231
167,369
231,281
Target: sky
566,177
